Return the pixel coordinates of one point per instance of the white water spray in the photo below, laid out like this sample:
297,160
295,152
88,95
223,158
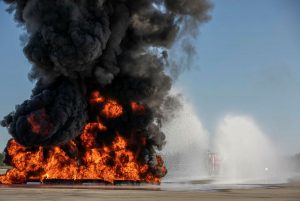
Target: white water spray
247,155
187,142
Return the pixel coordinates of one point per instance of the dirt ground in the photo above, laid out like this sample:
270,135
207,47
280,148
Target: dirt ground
289,192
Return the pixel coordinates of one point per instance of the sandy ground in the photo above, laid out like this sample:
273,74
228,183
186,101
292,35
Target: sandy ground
289,192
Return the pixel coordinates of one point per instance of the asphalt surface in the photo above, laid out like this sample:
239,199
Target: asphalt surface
276,193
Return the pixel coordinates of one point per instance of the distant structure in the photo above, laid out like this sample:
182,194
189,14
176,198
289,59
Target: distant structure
213,163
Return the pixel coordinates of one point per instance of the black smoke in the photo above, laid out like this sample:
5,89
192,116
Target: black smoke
117,46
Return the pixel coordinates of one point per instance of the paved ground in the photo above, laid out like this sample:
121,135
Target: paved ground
289,192
282,193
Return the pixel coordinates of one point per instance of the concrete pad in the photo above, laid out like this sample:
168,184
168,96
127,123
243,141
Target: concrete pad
59,193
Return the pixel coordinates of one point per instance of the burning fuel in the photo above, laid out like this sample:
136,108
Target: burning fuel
97,108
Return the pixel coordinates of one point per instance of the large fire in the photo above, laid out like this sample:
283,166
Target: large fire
102,88
88,157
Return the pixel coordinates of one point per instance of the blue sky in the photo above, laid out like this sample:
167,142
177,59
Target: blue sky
249,64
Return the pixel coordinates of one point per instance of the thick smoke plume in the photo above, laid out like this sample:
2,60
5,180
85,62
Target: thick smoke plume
77,46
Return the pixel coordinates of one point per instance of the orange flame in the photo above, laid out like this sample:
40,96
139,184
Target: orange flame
96,98
112,109
110,162
87,136
39,122
137,107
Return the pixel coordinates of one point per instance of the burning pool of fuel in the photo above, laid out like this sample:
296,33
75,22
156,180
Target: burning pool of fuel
103,75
